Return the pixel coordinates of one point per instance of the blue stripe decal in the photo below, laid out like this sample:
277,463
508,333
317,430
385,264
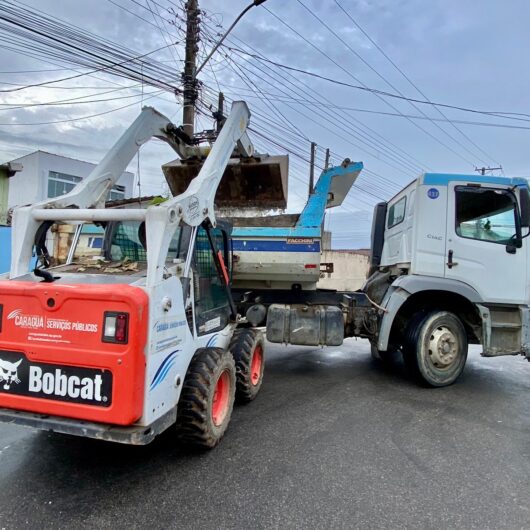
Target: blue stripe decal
162,372
262,231
211,341
273,246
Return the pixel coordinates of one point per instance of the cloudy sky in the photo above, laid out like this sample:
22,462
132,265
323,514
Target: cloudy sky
471,54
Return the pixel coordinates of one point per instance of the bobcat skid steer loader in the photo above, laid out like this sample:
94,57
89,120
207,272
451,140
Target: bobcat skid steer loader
144,336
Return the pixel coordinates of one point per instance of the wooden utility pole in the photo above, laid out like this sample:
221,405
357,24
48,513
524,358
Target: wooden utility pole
312,168
326,163
220,114
189,80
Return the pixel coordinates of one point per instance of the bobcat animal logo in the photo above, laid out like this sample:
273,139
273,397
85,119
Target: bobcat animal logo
9,373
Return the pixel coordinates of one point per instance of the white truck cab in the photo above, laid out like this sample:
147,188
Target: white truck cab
454,246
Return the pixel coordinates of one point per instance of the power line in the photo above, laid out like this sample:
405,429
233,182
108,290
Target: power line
346,128
363,131
409,80
499,114
340,66
393,87
151,95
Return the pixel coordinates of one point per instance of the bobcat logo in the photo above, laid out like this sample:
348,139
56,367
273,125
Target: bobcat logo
9,373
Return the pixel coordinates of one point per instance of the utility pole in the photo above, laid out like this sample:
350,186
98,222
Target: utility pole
482,170
189,76
189,80
312,168
220,114
326,163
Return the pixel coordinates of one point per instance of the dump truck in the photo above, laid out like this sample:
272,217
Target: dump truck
144,336
448,268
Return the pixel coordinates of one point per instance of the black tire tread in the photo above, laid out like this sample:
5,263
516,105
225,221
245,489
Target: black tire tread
193,422
242,345
411,338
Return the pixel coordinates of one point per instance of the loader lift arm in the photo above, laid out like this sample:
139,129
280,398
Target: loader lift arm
85,202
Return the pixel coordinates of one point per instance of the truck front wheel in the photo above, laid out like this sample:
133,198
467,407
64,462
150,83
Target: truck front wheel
435,347
207,398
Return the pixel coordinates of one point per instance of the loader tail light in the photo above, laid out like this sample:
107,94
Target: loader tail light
1,316
115,327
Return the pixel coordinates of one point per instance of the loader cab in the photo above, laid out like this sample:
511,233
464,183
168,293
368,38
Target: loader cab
125,242
210,264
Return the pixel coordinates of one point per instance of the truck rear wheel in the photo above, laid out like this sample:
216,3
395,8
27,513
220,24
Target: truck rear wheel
207,398
435,347
247,347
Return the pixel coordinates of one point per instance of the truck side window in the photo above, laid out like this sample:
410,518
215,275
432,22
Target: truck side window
486,214
396,212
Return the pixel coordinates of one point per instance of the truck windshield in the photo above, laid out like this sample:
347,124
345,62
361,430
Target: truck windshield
486,214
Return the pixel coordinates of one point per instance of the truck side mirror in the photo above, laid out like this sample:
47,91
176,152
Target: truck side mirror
525,208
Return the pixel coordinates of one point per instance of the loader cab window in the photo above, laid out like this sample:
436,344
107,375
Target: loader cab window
212,309
486,214
126,241
396,213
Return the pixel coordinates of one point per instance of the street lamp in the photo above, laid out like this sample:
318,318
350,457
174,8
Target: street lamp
240,16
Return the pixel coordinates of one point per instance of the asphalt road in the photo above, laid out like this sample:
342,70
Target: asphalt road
332,441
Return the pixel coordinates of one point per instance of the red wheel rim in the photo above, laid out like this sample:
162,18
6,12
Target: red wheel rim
221,398
256,366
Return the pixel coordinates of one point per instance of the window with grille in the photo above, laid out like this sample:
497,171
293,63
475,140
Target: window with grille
61,183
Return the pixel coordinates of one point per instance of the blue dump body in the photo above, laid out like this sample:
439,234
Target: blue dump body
277,257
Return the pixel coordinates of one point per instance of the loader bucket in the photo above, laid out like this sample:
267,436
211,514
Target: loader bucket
259,182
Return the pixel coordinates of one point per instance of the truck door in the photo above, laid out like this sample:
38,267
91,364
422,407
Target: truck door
481,224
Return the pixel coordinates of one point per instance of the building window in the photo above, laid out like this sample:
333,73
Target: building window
117,193
95,242
61,183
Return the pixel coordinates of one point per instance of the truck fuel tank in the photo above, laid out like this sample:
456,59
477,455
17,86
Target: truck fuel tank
305,325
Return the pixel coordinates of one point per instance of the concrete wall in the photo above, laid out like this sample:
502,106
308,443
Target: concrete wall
350,269
31,184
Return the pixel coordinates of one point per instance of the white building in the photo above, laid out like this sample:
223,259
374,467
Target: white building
45,175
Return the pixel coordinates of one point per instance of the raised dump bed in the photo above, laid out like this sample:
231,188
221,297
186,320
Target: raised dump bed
283,251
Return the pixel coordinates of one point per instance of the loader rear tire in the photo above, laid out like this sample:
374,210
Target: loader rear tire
247,347
435,348
207,398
